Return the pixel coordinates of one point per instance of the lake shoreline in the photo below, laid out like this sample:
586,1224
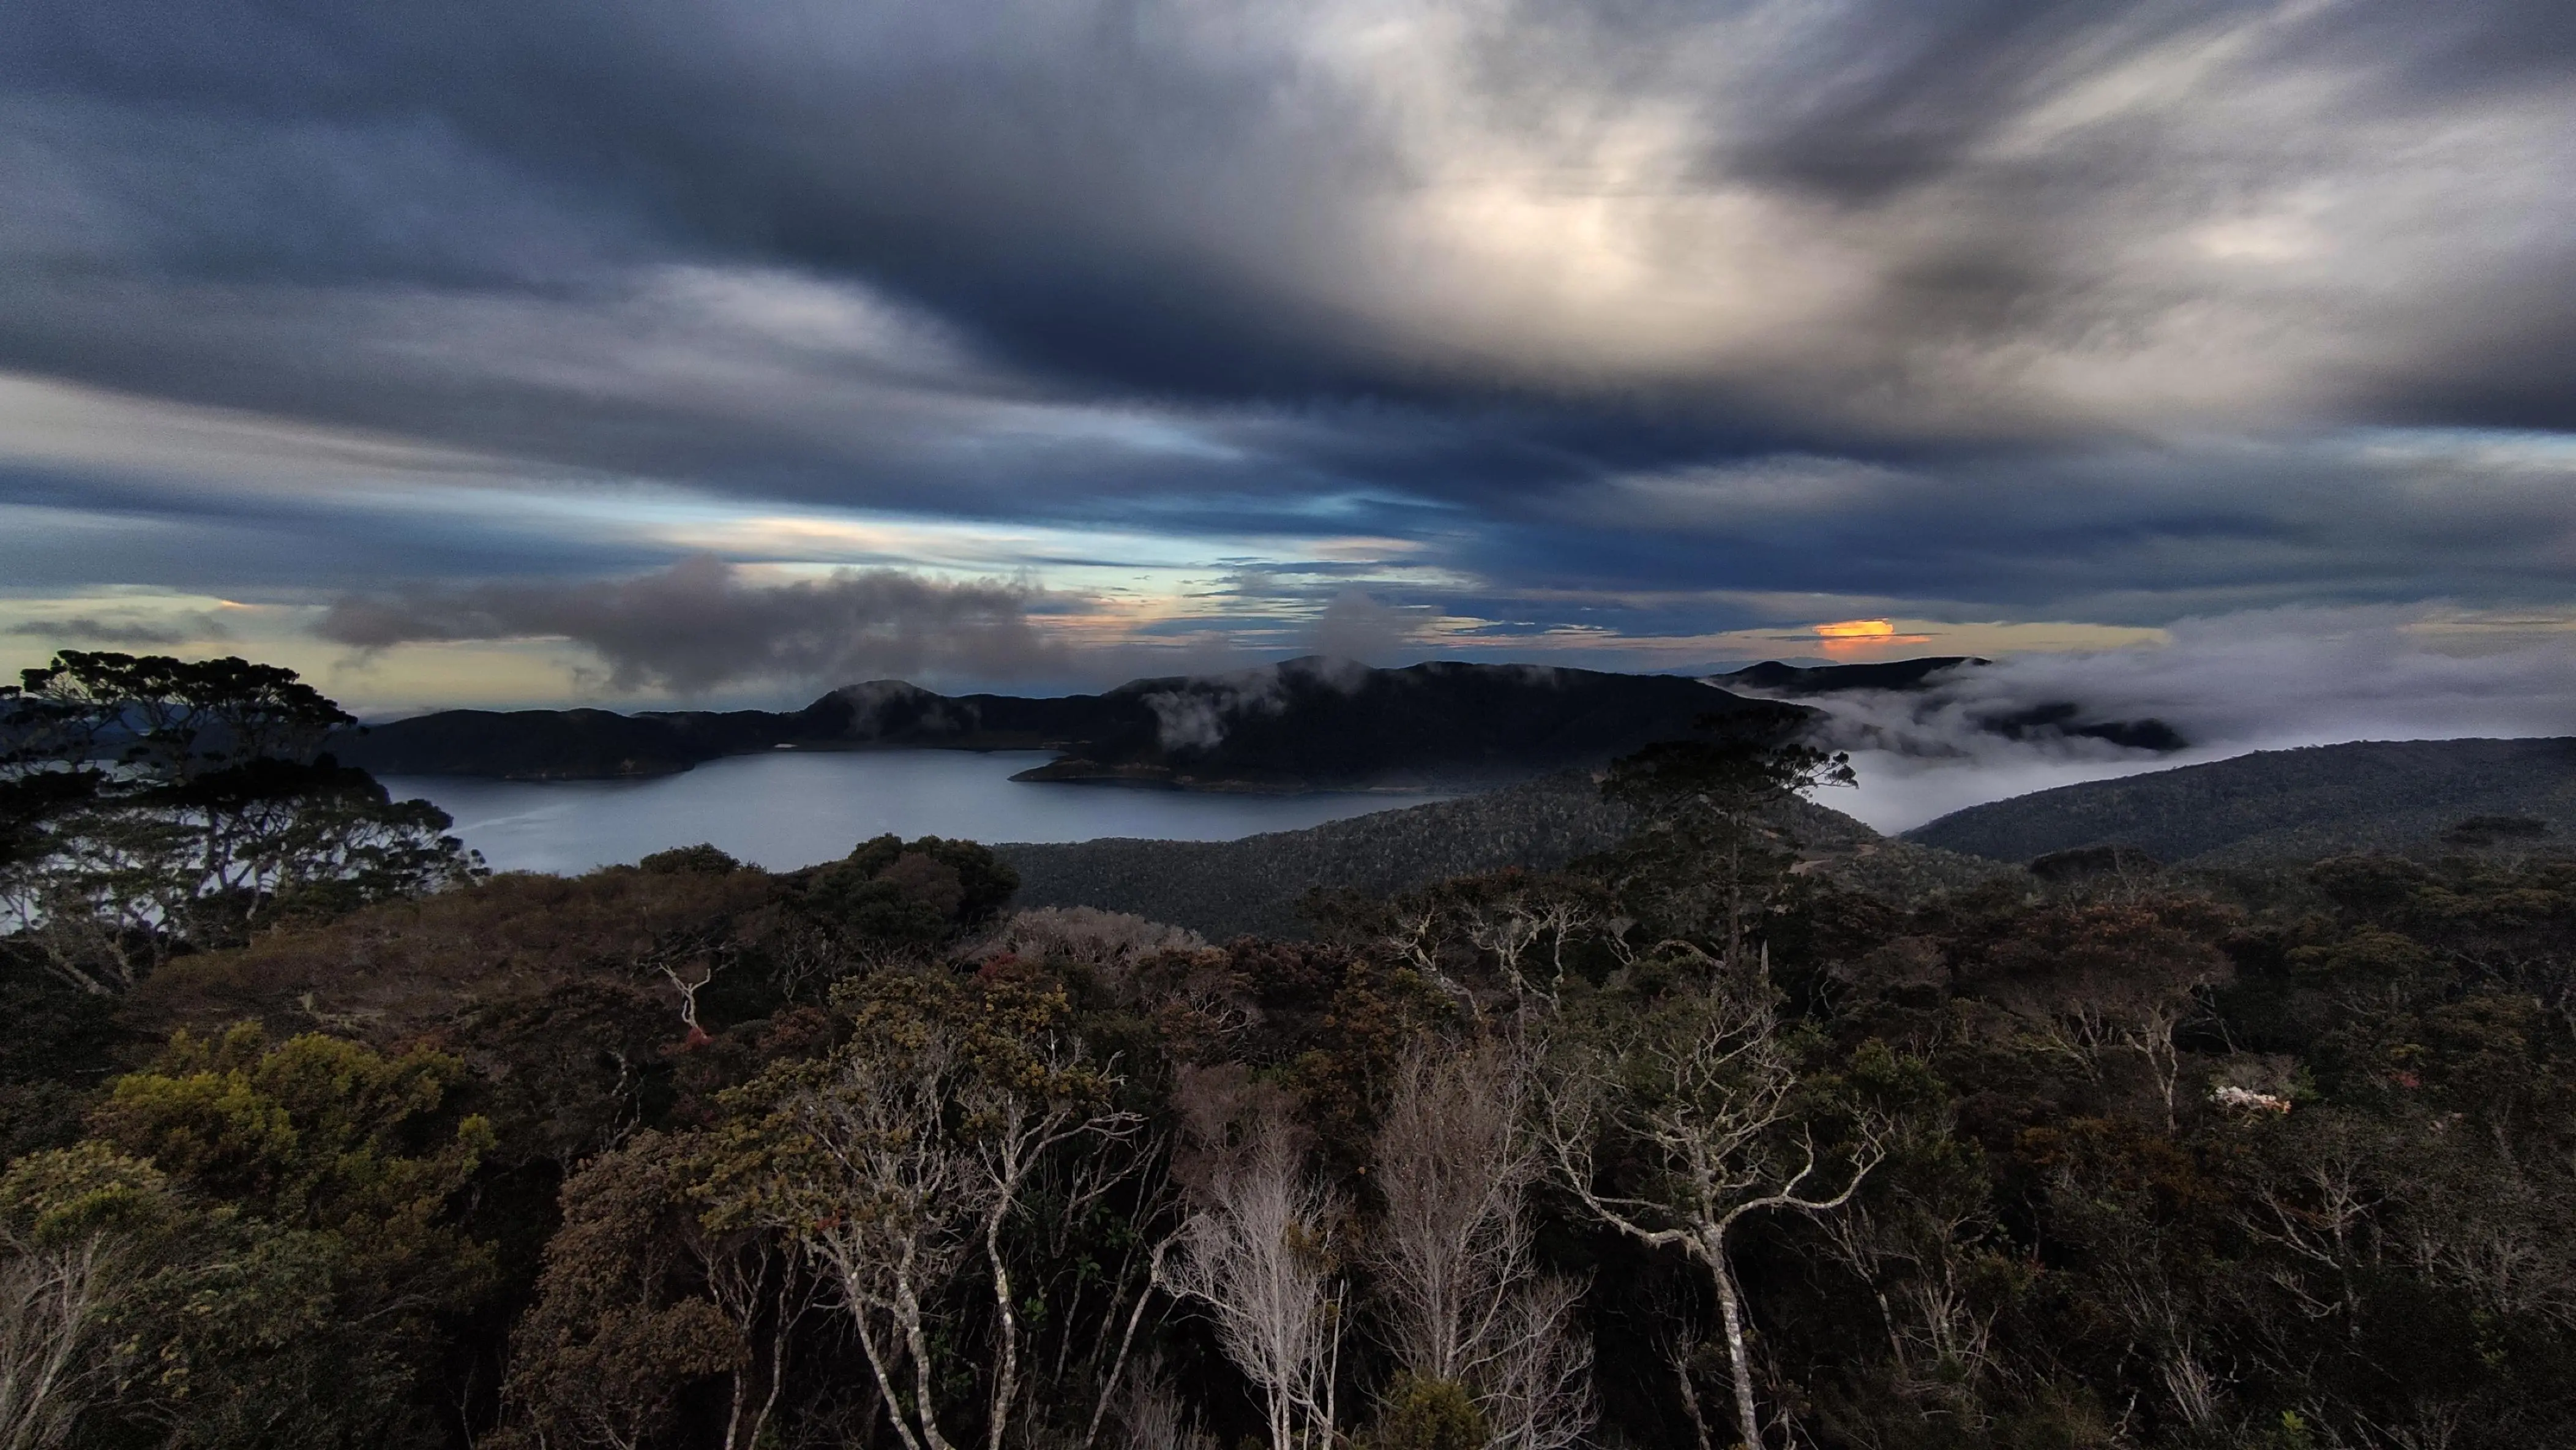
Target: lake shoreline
787,809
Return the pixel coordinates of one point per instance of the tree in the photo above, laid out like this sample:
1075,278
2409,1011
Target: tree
1259,1253
2095,979
300,1301
77,1233
1509,925
639,1299
918,893
1923,1236
151,804
1454,1252
903,1156
1704,1101
1715,808
254,1250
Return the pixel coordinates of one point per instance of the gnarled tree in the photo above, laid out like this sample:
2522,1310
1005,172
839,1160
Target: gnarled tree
149,803
1705,1105
901,1157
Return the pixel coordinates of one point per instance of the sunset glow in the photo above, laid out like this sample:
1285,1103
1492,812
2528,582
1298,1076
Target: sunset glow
1859,639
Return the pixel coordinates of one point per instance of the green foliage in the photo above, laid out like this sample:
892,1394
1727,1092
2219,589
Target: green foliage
286,1216
151,805
317,1132
625,1319
2146,1167
701,859
68,1194
1428,1414
918,892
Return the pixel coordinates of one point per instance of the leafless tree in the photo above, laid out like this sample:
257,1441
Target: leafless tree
1260,1255
1518,928
893,1203
1417,935
1465,1300
1926,1242
912,1161
55,1361
1680,1340
2133,1019
2317,1202
2097,981
2473,1215
1152,1417
1102,941
1708,1096
2138,1271
758,1288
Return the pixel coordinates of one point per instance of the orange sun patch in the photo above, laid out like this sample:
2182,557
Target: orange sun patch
1845,639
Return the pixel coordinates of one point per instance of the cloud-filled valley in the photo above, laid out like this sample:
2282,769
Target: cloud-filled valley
2226,685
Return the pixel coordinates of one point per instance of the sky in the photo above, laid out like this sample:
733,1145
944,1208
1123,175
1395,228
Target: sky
720,351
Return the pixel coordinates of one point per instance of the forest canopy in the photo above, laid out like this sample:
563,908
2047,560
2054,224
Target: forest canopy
335,1141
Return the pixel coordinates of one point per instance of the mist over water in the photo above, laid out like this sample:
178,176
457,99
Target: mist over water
2230,684
792,809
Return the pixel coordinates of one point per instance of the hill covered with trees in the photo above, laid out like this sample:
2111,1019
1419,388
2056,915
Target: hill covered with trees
1308,724
1688,1141
1260,885
2285,804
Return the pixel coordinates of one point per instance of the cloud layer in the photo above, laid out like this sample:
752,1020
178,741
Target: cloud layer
2263,680
699,626
1547,327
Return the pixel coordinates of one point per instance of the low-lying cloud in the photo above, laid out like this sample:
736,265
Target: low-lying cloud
2260,680
700,625
1357,626
133,633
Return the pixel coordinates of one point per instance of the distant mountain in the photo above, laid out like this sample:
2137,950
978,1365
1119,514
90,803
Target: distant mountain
1229,888
2283,804
1308,724
1802,680
562,744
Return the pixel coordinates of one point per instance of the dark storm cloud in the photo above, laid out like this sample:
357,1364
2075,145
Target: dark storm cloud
88,629
1985,304
699,626
1165,197
2134,536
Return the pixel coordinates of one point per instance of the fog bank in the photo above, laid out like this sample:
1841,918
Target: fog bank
2230,684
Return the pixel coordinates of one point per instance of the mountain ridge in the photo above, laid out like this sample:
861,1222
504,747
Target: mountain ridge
1302,725
1256,885
2361,795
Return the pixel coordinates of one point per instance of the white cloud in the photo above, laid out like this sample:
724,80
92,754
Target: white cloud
2261,680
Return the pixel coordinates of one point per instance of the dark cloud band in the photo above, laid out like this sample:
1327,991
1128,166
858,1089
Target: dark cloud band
700,626
2006,309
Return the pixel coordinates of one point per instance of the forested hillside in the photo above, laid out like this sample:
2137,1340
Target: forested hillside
1253,886
1689,1142
2282,804
1258,885
1304,724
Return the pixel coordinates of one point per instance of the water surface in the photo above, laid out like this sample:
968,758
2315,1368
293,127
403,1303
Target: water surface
788,808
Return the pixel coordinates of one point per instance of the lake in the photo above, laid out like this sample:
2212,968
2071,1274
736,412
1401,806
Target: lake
794,808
